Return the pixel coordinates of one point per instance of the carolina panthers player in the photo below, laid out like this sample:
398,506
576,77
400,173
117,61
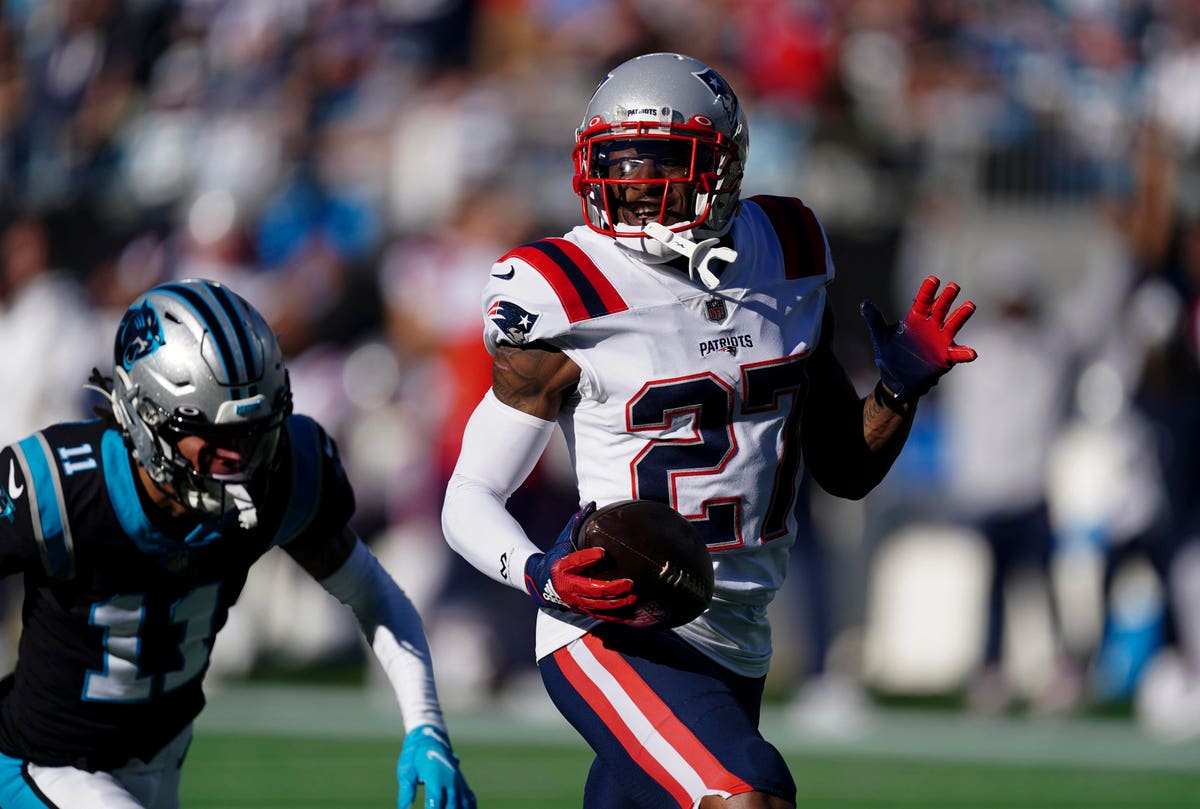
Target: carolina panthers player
134,533
681,338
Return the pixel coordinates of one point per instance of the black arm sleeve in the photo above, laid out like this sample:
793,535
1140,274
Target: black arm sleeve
832,431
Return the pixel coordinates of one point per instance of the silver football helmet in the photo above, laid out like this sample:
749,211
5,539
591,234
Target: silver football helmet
193,360
670,123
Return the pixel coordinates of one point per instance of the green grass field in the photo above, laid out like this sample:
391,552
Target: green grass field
302,748
258,772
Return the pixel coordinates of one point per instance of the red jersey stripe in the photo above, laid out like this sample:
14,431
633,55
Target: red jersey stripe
582,289
805,251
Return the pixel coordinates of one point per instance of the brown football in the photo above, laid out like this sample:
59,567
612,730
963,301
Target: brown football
661,551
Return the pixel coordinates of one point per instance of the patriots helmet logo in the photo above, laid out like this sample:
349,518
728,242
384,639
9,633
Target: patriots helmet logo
139,335
721,90
513,321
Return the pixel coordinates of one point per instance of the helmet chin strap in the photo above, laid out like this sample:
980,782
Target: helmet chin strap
200,499
247,513
699,254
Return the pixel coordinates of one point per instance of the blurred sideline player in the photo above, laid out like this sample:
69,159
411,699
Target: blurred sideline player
681,340
134,534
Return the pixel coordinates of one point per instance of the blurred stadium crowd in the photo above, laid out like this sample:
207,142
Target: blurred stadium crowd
353,168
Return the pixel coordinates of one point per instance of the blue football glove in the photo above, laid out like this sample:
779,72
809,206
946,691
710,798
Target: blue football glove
426,758
913,354
555,579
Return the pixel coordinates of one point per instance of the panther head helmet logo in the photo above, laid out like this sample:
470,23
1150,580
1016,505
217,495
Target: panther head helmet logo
139,335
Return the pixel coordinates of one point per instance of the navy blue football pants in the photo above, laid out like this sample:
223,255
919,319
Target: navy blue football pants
668,725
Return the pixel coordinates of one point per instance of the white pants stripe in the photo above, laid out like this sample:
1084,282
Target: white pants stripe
138,785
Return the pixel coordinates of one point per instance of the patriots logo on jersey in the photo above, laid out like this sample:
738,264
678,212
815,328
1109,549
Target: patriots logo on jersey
730,343
139,335
514,322
8,509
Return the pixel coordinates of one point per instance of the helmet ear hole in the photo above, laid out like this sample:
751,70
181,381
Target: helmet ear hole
121,399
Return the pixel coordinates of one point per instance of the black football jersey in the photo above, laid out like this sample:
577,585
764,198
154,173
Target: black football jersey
119,614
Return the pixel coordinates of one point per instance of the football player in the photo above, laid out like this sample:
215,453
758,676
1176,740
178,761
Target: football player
681,338
134,533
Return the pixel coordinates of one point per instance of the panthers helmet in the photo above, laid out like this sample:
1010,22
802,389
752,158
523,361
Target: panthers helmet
667,107
191,358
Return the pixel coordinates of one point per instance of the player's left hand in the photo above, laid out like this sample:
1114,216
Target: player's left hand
912,355
426,759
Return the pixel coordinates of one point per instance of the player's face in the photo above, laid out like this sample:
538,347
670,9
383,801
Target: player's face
227,460
653,161
212,460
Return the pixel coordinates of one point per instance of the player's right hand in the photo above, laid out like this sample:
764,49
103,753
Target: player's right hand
556,579
426,758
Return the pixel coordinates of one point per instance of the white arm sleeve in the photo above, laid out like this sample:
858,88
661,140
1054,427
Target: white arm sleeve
393,628
500,447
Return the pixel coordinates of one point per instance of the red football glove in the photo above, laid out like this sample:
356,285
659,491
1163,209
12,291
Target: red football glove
913,354
555,579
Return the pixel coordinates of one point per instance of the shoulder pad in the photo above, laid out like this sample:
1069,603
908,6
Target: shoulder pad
801,237
35,478
540,290
319,493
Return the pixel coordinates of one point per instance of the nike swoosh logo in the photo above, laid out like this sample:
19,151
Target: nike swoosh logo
14,491
504,276
433,734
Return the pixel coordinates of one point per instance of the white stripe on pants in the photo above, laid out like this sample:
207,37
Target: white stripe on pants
137,785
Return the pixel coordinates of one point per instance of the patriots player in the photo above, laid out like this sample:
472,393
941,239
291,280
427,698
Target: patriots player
134,533
681,339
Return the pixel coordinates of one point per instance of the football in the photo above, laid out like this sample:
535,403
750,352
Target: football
661,551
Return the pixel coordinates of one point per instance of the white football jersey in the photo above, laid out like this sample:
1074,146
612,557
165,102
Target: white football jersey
688,396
